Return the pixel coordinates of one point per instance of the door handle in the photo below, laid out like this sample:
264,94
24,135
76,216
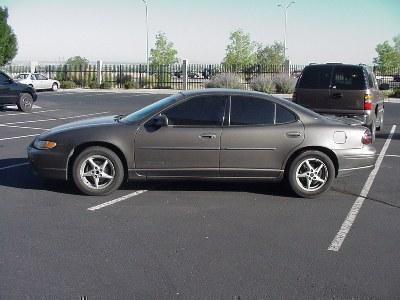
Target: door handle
337,95
208,136
293,134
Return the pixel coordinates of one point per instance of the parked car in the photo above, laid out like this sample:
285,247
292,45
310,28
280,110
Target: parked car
348,92
12,92
190,74
396,77
213,133
38,81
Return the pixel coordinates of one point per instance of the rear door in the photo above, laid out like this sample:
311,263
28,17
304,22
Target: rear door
258,137
312,90
348,89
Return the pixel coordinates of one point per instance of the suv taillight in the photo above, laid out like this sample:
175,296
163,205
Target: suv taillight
368,102
367,137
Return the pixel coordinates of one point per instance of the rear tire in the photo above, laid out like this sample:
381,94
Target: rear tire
311,173
25,102
54,87
372,128
97,171
380,127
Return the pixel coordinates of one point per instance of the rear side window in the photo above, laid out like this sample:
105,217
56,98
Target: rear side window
284,116
316,77
348,78
3,78
251,111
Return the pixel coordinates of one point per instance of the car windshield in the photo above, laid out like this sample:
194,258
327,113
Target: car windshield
149,110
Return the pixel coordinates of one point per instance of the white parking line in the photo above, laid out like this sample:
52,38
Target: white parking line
34,112
22,127
18,137
392,155
13,166
352,215
56,119
116,200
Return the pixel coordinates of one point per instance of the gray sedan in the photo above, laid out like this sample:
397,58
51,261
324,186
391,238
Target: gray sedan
213,133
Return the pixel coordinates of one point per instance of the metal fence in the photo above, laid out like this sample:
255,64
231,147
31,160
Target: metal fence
170,76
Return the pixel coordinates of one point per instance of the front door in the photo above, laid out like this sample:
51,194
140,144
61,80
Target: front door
6,95
188,146
258,139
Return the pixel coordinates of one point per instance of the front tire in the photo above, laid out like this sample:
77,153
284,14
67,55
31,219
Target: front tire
310,174
97,171
25,102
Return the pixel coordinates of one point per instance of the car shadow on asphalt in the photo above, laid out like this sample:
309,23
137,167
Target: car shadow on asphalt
22,176
385,135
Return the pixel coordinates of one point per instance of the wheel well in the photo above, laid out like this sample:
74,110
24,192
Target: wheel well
324,150
78,149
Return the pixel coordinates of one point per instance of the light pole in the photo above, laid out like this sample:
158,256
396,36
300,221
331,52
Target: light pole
147,37
285,8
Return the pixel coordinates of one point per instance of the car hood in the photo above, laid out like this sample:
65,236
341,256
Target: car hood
94,122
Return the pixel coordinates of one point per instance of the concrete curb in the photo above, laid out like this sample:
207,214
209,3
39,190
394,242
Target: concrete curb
120,91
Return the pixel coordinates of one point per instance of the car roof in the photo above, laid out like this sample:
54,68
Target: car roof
336,64
222,91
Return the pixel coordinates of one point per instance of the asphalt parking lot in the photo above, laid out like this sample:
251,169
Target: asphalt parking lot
191,240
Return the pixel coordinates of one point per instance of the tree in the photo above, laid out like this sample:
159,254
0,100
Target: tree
388,58
271,55
240,50
77,61
163,52
8,40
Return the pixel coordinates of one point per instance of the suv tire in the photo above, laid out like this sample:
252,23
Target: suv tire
25,102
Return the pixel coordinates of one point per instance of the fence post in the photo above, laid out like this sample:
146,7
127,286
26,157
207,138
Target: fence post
287,66
99,65
34,64
185,65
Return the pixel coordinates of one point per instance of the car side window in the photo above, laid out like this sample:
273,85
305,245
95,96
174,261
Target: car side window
371,82
247,111
284,116
198,111
348,78
41,77
33,77
315,77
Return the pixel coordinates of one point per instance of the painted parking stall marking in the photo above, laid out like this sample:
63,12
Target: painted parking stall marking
14,166
25,113
355,209
18,137
126,197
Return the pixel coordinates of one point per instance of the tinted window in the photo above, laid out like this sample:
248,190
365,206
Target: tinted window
284,116
318,77
251,111
348,78
3,78
370,80
199,111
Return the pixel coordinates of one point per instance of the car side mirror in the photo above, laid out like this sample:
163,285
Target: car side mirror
384,86
160,121
10,80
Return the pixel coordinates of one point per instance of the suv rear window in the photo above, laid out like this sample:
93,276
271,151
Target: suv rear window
349,78
315,77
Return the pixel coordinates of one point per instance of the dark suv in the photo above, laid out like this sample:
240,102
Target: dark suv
348,92
12,92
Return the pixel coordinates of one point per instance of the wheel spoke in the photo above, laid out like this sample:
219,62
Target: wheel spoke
319,168
96,182
93,163
309,165
106,176
317,178
104,164
88,174
308,183
302,175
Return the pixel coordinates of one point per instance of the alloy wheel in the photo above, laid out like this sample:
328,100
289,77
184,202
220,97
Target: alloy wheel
312,174
97,172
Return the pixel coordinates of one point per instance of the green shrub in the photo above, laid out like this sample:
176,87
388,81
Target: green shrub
263,83
124,79
147,81
284,83
227,80
68,84
131,85
106,85
93,85
395,93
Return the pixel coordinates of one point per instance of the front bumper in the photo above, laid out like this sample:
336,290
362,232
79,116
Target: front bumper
351,160
48,163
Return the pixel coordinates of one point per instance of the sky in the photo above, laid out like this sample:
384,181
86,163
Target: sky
115,30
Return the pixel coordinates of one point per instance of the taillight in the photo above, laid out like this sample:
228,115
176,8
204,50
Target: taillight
367,137
368,102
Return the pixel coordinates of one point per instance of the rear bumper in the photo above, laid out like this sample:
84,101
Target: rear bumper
47,164
352,160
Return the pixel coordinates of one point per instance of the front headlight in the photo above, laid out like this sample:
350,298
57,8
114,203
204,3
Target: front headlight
44,145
